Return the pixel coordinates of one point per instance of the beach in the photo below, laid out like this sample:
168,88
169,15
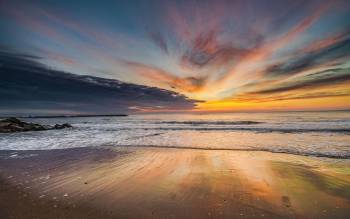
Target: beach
175,109
146,182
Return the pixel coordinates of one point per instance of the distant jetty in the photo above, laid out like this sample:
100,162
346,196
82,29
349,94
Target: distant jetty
72,116
12,124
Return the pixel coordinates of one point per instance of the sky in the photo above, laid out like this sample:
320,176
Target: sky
210,55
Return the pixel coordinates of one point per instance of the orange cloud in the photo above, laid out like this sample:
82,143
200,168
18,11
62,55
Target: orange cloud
249,67
161,78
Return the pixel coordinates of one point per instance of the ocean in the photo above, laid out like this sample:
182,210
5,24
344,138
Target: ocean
321,134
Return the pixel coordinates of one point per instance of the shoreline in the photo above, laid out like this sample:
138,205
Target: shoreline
286,152
314,155
131,182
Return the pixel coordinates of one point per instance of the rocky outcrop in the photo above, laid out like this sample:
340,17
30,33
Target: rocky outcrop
15,125
65,125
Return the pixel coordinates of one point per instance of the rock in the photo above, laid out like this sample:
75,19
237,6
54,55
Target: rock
65,125
15,125
12,120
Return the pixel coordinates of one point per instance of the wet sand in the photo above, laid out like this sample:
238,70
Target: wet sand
171,183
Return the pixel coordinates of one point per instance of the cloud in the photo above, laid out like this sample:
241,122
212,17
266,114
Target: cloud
291,96
165,79
27,85
330,77
326,51
202,49
159,40
205,50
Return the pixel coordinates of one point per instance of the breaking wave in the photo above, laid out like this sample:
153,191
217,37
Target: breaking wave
212,122
255,129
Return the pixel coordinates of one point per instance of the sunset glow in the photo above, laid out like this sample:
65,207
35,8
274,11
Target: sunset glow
223,55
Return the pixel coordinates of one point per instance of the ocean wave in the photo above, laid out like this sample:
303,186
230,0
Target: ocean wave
255,129
211,122
144,136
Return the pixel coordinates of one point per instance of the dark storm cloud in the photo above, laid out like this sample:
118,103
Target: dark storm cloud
26,84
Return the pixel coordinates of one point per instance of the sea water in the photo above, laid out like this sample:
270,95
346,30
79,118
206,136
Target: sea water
325,134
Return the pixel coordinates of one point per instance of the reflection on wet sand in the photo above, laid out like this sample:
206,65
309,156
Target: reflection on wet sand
171,183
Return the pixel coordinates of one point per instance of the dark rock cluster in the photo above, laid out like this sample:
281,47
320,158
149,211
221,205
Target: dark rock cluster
64,125
15,125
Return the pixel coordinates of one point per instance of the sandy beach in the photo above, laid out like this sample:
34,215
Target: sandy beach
171,183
